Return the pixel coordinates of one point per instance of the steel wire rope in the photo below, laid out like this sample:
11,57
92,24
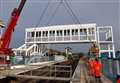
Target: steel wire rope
53,14
69,13
74,15
72,11
43,13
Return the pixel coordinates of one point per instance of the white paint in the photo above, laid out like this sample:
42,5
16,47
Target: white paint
59,58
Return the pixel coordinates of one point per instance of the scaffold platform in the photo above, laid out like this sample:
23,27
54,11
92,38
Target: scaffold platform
15,70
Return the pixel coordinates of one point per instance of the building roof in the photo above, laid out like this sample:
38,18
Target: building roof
55,27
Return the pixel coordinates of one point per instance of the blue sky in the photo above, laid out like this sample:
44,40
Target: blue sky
101,12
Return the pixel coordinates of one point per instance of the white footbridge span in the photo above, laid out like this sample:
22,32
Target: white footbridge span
37,38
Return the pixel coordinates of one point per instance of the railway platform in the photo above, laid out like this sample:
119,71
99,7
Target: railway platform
82,74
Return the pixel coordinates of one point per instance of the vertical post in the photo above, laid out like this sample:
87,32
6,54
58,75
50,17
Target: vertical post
114,56
34,42
50,70
70,34
87,34
48,52
41,36
70,71
63,34
55,34
111,31
109,52
31,73
34,35
26,37
48,35
55,71
97,31
118,67
79,34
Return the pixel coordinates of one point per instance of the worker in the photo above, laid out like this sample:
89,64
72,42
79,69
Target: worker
97,70
91,67
118,79
94,50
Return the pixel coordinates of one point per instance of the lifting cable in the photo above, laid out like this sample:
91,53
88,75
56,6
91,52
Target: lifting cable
72,11
66,6
69,10
74,20
43,13
53,14
73,14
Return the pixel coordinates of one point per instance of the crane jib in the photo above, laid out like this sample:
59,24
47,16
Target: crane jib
21,6
6,37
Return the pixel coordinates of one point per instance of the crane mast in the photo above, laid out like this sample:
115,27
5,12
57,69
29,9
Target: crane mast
5,51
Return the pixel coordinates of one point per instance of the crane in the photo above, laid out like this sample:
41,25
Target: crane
5,51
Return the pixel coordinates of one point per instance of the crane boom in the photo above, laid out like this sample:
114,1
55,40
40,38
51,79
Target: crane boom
6,36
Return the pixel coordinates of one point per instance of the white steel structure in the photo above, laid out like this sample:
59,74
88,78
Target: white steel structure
36,38
62,34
